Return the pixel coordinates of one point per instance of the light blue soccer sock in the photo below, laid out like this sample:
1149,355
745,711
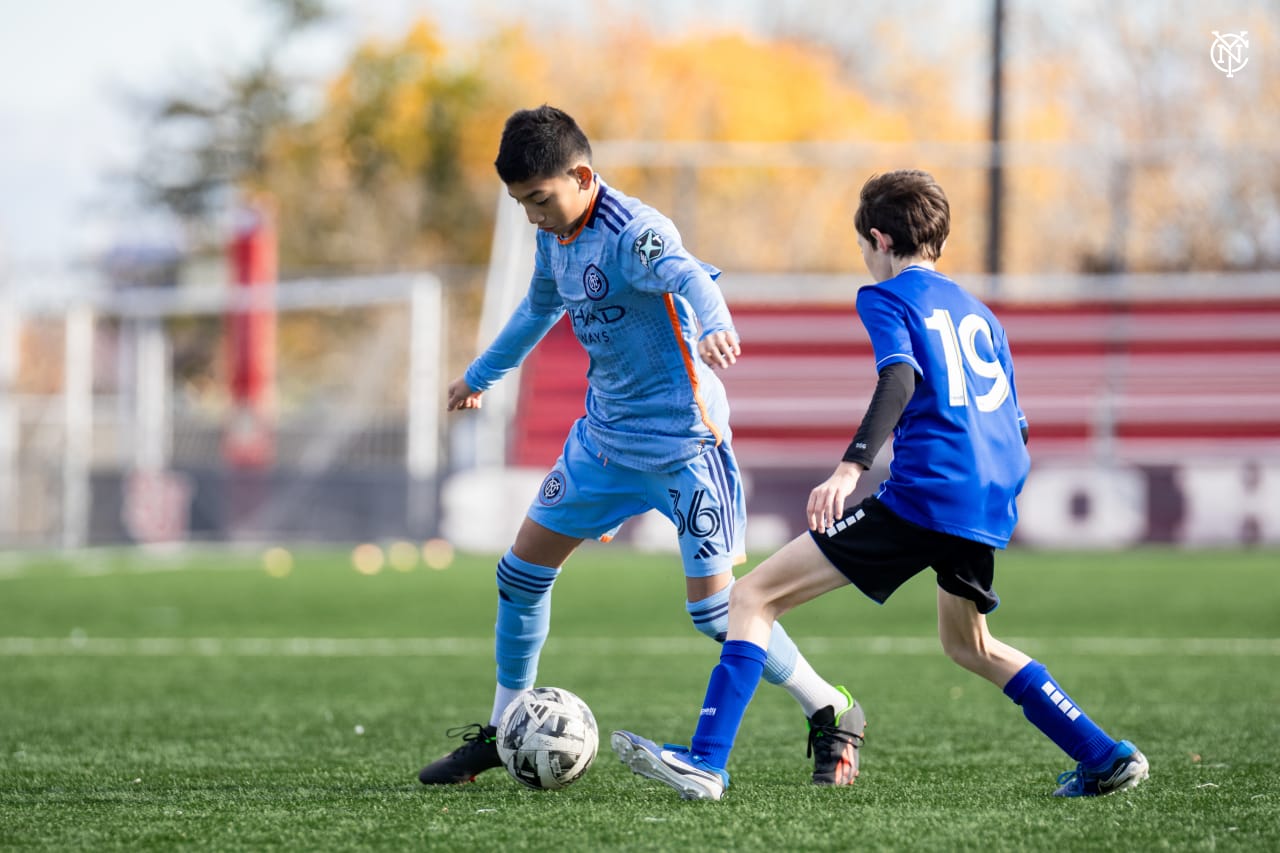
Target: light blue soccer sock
711,617
524,618
785,666
1051,711
729,691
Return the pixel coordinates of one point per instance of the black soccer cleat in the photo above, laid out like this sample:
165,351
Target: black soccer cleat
478,753
834,742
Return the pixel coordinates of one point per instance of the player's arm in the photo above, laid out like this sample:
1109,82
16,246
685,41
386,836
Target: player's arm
462,395
893,392
528,324
660,264
719,349
718,344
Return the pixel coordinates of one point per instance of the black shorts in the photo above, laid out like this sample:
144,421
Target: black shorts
878,552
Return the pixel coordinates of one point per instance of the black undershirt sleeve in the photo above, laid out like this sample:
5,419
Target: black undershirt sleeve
893,391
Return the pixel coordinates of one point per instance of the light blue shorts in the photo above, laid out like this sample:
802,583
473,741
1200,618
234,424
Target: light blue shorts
588,498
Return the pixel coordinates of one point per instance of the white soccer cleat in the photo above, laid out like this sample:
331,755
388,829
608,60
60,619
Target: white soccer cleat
1124,769
692,777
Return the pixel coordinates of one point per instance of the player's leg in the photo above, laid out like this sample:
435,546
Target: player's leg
875,551
962,629
794,574
581,498
1104,765
707,503
707,494
707,601
797,573
525,575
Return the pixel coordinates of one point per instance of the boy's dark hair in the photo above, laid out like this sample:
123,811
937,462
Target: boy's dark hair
540,143
908,206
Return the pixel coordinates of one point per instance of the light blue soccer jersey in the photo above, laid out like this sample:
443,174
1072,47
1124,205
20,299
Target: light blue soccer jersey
638,302
959,460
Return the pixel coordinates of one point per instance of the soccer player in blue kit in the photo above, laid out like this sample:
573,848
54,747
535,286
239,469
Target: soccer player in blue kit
946,391
655,434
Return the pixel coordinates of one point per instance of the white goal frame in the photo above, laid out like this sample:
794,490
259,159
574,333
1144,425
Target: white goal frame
149,409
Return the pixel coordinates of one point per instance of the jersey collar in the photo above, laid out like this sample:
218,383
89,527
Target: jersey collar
586,217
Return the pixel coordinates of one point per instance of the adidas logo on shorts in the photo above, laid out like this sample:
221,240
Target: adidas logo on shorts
844,522
707,550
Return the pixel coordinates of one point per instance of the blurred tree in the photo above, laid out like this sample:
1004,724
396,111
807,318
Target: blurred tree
377,179
396,168
205,138
1162,163
1128,149
1122,137
393,169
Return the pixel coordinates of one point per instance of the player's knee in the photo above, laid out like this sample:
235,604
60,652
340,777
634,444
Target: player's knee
959,654
750,598
966,652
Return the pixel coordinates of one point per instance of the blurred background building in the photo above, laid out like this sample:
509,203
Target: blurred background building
244,248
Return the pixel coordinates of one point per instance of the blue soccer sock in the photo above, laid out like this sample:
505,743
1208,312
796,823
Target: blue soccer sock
524,618
729,691
1051,711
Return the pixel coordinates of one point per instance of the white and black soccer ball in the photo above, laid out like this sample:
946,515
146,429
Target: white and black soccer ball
547,738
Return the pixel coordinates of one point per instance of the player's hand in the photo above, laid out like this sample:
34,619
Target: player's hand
719,349
462,397
826,501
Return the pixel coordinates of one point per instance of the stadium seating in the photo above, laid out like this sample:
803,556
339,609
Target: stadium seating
1133,381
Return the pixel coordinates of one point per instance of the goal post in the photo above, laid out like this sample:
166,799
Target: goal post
112,409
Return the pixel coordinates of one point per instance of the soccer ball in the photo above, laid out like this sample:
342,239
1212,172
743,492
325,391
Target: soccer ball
547,738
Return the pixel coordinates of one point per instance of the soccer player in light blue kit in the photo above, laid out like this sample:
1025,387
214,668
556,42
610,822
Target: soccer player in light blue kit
946,391
655,434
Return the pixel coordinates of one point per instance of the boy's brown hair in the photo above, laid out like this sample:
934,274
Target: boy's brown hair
910,207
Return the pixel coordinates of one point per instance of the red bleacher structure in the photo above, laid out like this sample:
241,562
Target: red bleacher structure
1099,382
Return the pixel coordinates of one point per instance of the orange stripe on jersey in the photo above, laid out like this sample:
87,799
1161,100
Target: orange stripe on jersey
689,368
586,217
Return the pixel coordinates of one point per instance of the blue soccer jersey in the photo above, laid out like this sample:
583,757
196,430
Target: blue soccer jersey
959,460
638,302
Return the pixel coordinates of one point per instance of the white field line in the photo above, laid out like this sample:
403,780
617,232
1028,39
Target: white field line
111,561
328,647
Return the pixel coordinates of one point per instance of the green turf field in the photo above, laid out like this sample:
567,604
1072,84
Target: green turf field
195,702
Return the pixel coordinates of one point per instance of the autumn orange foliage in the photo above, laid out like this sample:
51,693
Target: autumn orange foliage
395,169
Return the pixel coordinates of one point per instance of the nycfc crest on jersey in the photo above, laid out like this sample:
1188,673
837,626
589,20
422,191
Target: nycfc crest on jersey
594,283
